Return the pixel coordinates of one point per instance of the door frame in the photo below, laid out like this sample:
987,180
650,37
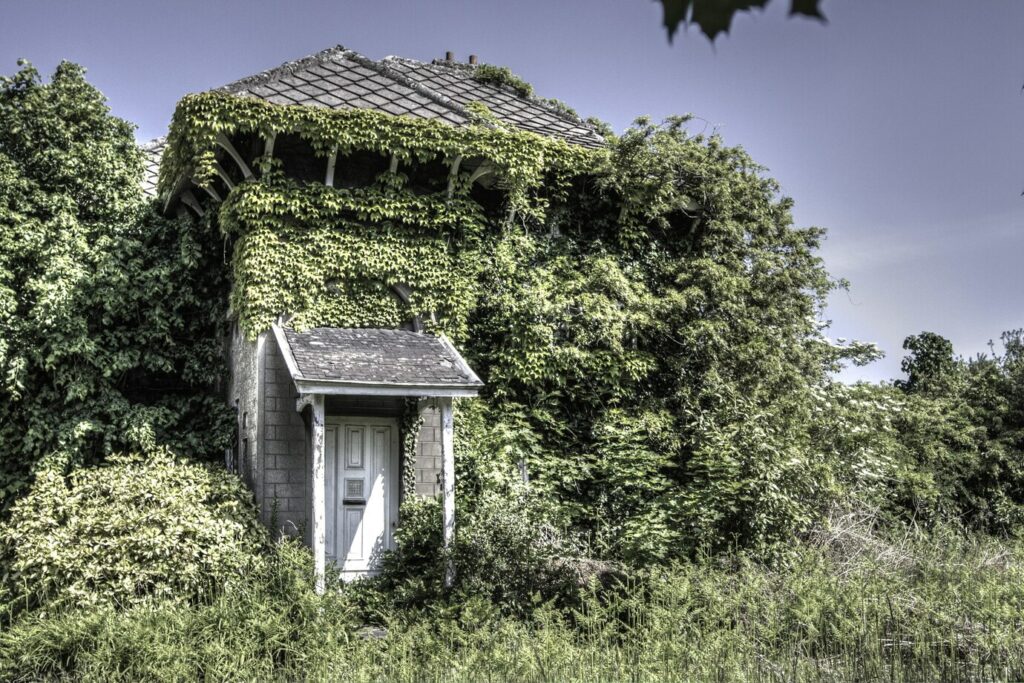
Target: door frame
391,474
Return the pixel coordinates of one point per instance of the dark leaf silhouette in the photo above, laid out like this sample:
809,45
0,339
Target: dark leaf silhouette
715,16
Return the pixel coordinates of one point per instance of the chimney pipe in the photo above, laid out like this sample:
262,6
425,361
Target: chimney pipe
472,59
449,56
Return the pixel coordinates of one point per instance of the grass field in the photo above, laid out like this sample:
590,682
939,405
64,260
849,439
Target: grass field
846,606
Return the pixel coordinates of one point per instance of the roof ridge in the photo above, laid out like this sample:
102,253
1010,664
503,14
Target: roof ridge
287,68
386,71
535,99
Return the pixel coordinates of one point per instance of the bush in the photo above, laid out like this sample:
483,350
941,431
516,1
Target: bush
509,551
128,531
506,552
269,624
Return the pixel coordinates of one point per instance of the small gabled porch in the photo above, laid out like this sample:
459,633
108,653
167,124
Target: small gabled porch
344,379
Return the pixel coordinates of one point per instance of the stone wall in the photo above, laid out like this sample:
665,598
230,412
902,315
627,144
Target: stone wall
286,462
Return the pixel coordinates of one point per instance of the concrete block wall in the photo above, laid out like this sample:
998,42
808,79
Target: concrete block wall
287,470
428,452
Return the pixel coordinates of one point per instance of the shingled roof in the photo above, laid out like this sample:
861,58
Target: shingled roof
338,78
390,362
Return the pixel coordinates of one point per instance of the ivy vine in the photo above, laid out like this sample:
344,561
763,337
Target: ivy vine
412,421
524,160
502,75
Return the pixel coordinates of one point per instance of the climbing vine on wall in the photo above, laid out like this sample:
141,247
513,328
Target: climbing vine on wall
412,421
325,255
659,277
301,252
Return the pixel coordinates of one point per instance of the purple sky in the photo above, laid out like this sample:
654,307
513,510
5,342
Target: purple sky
898,126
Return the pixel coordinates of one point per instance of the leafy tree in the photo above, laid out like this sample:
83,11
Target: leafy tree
109,342
960,431
930,367
660,337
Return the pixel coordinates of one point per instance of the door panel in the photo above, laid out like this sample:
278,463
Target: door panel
362,497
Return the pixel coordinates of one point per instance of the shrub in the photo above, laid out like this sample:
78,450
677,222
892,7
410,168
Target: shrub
128,531
510,551
269,624
506,551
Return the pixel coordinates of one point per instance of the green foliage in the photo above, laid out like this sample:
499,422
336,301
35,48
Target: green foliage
715,16
963,433
526,160
658,282
301,252
508,552
647,319
109,339
264,625
675,290
502,76
663,276
852,605
930,367
137,529
412,421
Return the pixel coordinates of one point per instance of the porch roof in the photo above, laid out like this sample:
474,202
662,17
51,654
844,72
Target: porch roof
375,362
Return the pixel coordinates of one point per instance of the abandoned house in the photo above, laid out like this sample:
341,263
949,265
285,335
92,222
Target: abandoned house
324,413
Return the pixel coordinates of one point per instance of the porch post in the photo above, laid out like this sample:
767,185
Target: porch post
319,494
448,483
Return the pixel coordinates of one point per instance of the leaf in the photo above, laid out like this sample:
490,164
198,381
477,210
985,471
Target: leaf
715,16
807,8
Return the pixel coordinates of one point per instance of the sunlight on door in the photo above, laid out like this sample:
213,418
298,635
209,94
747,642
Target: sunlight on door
362,492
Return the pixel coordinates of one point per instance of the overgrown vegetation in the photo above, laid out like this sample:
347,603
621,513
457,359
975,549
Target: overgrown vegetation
502,76
648,322
852,605
109,340
134,530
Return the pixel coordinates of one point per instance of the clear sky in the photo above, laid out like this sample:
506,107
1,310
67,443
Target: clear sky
898,126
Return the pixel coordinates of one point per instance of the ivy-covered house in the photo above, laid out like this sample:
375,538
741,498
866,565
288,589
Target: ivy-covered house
352,194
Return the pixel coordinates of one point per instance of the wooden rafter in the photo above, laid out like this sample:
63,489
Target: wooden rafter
226,145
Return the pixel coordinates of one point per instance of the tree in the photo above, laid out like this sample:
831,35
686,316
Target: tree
106,337
930,367
664,348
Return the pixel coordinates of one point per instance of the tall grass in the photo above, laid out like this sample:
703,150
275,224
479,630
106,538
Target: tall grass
847,607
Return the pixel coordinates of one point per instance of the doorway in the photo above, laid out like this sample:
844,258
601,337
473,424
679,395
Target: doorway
362,489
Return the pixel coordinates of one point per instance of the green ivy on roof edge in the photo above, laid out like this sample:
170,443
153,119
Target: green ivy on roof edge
525,160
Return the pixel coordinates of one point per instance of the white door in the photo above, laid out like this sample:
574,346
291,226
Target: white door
362,491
